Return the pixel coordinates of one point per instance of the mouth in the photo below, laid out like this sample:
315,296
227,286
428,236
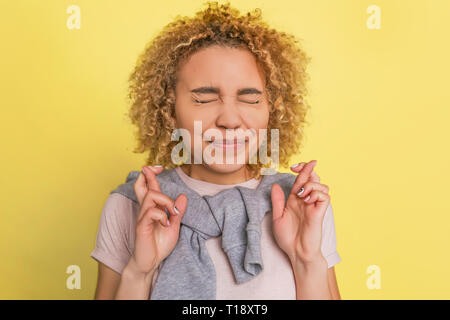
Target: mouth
224,143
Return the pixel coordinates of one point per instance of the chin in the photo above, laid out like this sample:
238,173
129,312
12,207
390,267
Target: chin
225,168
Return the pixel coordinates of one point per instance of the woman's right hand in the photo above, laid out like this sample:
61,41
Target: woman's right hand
155,237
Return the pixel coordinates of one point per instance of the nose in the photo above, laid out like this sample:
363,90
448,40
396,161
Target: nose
229,116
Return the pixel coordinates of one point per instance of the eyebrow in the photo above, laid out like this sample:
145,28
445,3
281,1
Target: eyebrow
217,90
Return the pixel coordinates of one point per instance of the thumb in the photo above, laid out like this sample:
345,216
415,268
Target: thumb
277,196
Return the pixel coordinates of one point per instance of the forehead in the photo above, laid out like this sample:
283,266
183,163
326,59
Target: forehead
223,67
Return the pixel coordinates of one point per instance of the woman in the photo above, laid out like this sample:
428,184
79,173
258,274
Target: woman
230,72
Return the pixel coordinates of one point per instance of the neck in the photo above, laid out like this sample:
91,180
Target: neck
200,172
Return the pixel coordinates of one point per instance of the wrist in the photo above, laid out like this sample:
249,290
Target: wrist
133,273
315,263
311,278
134,284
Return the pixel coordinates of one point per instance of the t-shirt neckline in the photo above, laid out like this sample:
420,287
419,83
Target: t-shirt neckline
195,182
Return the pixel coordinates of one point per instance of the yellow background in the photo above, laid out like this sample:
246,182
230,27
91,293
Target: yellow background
379,130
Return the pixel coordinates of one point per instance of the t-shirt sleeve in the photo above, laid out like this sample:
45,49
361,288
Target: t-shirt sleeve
329,243
111,246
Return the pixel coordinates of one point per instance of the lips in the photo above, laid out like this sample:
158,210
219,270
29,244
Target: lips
229,142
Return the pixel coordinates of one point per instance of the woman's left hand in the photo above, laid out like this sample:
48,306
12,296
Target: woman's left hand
297,226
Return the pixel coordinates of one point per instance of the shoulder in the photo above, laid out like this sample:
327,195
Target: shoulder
118,200
126,189
280,176
284,179
119,208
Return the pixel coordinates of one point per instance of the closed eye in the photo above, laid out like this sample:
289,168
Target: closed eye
200,101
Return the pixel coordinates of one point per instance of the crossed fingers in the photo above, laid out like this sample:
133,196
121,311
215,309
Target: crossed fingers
307,184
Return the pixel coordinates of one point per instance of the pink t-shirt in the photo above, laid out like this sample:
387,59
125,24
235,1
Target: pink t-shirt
116,236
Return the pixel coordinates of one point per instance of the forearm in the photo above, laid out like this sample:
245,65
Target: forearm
311,279
134,285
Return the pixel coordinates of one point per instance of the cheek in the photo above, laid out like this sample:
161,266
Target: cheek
258,119
187,116
183,120
184,116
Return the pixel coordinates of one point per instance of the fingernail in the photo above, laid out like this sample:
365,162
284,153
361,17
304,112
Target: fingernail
157,166
168,222
301,191
176,210
294,166
307,198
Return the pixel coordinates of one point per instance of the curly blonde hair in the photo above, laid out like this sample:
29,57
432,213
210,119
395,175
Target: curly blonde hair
152,82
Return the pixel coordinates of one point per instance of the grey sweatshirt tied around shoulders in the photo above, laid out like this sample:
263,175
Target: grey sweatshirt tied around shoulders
236,213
